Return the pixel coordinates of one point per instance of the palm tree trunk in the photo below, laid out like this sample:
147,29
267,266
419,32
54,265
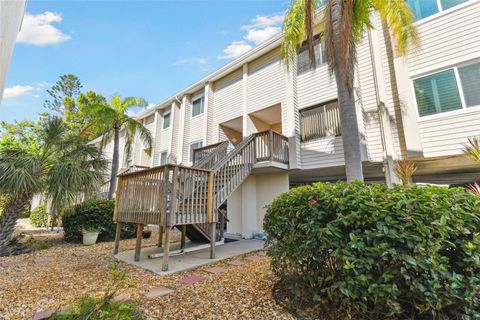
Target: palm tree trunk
115,160
8,220
348,112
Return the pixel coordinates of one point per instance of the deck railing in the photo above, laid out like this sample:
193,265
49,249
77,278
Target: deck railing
208,156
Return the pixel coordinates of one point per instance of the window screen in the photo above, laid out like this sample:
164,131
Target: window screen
437,93
197,107
470,78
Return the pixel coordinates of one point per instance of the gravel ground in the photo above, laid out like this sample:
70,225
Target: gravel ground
54,277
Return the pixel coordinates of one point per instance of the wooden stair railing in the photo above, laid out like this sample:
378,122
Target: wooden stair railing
173,195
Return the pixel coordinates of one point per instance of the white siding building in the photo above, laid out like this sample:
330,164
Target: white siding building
11,17
423,106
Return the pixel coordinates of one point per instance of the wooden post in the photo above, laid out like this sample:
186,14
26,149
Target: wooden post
212,240
118,229
270,147
210,198
166,249
222,224
184,234
138,243
160,236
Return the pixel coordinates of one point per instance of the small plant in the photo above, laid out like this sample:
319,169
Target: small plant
474,188
93,215
405,169
39,216
472,149
105,307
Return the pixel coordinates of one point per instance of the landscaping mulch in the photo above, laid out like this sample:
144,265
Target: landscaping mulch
54,277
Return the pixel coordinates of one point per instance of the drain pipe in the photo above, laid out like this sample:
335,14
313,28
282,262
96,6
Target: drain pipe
384,121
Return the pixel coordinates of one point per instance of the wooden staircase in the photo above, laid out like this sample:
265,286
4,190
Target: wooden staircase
173,195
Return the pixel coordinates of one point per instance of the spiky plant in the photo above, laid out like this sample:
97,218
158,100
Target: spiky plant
474,188
61,166
472,149
344,23
404,170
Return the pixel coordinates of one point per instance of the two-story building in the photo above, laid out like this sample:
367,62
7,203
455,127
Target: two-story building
422,106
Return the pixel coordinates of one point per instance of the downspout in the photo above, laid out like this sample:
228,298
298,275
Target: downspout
388,163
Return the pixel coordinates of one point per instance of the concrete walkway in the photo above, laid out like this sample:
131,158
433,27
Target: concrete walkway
190,259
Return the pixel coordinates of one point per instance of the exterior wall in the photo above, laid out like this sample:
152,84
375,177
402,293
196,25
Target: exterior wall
266,81
227,100
448,38
11,17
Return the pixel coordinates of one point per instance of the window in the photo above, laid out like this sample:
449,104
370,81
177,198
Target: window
425,8
194,146
320,121
197,106
149,120
166,120
303,60
470,79
443,91
163,158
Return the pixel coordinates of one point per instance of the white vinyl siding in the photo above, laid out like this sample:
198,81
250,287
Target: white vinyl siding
266,81
320,153
227,101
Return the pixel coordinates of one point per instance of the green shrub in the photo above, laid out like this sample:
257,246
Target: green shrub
406,252
94,214
39,216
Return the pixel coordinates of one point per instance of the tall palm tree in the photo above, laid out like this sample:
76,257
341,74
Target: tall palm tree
344,24
61,166
109,119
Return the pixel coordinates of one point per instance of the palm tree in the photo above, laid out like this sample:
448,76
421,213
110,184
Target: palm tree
109,119
61,166
344,23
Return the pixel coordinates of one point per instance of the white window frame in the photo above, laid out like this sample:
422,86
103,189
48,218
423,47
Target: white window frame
169,113
190,150
200,96
458,81
442,11
165,152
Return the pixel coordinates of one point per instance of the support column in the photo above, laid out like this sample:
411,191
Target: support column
138,243
213,232
160,235
184,233
166,249
118,229
245,119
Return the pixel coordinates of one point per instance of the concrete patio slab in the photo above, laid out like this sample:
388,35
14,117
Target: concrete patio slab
184,261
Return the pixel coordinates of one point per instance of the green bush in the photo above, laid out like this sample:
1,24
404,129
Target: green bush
406,252
39,216
94,214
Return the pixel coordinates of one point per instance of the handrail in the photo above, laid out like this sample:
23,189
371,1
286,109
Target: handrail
219,152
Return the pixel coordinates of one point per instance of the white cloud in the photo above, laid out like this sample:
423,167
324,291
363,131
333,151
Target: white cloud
16,91
260,29
38,29
196,61
258,36
235,50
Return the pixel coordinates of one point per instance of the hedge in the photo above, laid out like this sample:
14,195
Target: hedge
405,252
94,214
39,216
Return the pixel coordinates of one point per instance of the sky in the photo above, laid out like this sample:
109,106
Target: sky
150,49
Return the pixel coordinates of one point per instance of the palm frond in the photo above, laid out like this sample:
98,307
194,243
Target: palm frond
472,149
133,127
20,172
399,19
134,102
404,170
293,31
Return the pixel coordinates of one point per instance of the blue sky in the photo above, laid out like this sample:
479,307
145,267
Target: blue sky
150,49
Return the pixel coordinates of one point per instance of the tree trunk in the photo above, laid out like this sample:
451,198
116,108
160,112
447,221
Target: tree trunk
8,220
115,160
346,101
